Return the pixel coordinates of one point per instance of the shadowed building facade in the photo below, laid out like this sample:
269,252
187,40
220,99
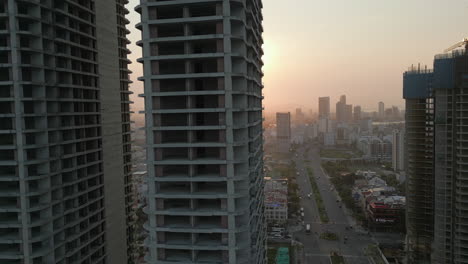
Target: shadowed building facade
419,153
450,90
437,167
64,124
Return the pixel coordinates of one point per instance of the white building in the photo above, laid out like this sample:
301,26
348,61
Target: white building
329,139
312,131
276,200
375,147
398,150
325,125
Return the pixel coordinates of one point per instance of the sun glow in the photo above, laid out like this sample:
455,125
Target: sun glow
269,55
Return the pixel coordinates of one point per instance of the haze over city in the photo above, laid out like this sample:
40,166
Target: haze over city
271,131
329,48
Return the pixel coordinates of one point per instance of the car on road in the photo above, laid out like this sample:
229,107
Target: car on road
308,229
302,209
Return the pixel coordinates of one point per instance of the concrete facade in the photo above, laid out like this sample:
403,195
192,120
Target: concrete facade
63,191
450,161
203,107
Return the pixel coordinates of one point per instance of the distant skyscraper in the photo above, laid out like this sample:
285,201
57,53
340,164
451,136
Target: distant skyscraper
395,113
348,113
340,111
325,125
300,117
311,115
324,107
203,99
64,125
283,132
357,113
381,110
398,150
343,99
344,112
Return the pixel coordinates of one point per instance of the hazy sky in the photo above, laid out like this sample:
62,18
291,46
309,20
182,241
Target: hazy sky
355,47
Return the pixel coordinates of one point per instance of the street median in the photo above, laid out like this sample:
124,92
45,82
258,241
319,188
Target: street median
318,197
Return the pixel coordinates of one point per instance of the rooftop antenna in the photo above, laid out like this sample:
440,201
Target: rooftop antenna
460,44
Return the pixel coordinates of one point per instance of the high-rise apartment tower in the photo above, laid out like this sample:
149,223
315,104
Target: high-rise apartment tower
344,112
357,113
398,150
283,132
64,125
203,104
324,107
381,113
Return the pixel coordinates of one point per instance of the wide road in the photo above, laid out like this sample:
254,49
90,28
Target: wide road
318,250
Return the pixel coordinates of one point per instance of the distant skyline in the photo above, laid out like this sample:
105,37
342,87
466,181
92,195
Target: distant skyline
329,48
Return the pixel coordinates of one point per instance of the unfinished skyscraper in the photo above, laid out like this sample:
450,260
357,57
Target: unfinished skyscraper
450,90
419,152
436,131
203,104
64,120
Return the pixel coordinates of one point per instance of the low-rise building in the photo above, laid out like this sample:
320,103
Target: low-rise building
383,207
375,147
366,174
386,212
329,139
276,200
